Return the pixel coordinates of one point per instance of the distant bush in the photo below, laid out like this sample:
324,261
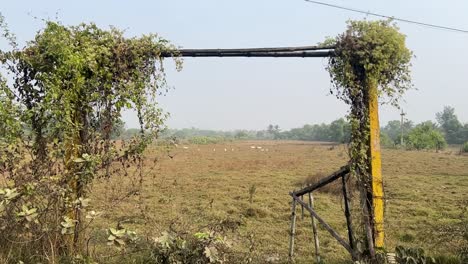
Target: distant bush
425,136
386,141
464,148
203,140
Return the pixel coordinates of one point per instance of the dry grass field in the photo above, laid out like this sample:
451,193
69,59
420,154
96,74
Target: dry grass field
205,185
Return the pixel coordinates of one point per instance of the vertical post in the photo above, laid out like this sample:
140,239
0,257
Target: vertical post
376,166
302,208
314,229
348,217
293,229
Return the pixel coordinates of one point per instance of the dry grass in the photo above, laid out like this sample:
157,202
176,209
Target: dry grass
334,188
198,187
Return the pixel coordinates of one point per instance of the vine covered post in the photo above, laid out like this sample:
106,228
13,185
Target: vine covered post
371,64
376,166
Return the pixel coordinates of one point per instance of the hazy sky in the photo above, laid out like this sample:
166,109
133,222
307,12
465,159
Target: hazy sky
250,93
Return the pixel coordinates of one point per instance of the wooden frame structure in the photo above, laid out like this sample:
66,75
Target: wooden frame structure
297,198
375,170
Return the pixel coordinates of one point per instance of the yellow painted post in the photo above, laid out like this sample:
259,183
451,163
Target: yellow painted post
376,167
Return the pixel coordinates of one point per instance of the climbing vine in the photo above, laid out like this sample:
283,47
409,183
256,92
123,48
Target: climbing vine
368,55
69,88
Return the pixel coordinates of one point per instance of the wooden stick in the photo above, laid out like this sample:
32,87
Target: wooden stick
314,229
302,208
367,223
293,229
348,217
325,225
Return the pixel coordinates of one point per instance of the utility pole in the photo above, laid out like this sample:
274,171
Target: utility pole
401,126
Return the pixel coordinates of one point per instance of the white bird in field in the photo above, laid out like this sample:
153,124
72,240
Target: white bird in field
214,149
252,147
225,149
185,147
258,147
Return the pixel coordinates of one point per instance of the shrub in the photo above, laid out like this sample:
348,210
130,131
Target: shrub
204,140
425,136
412,256
386,141
201,247
464,148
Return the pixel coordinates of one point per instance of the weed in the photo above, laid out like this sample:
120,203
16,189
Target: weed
252,190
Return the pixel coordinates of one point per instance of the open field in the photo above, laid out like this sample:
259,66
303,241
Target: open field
205,184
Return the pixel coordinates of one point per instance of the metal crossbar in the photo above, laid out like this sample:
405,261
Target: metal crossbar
275,52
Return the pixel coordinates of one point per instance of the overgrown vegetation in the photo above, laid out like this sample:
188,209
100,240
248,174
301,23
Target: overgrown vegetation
371,63
70,85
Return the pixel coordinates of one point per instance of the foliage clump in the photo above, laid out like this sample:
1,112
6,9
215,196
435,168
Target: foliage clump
370,52
464,148
425,136
70,86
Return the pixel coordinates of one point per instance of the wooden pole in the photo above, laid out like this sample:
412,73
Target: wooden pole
376,167
293,229
348,218
302,208
314,229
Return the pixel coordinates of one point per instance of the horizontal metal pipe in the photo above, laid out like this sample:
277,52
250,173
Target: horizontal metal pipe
274,49
218,53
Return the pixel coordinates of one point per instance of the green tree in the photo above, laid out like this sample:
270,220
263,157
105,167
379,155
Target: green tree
393,130
425,136
274,131
241,134
339,131
450,125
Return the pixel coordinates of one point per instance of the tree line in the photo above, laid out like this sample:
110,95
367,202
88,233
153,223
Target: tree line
426,135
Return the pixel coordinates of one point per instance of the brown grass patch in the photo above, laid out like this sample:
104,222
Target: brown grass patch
334,188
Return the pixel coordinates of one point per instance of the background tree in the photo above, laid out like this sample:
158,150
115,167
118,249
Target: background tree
393,130
425,136
451,127
274,131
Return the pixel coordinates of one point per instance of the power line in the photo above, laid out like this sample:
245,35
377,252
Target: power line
390,17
